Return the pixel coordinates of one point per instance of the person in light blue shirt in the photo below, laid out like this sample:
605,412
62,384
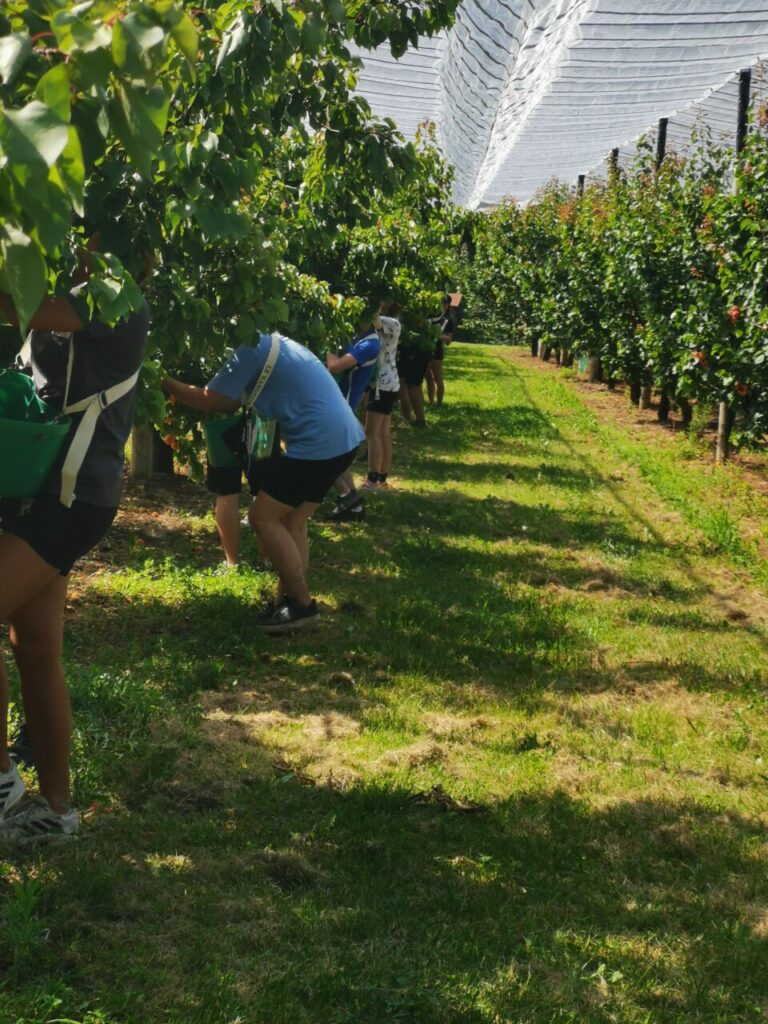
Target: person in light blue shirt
321,435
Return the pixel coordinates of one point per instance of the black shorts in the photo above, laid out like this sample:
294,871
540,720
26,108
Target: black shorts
384,404
439,352
413,366
226,480
59,535
294,481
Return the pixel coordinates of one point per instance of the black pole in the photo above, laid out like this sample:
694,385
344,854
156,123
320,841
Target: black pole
580,184
661,142
745,88
613,161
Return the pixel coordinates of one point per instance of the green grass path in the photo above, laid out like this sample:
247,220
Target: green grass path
518,774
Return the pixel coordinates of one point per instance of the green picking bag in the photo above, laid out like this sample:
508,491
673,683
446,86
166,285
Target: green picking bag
220,455
31,436
233,441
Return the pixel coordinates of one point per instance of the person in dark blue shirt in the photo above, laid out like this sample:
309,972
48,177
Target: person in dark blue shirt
356,364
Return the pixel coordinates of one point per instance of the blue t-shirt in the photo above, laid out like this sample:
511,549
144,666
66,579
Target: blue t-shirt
354,381
315,421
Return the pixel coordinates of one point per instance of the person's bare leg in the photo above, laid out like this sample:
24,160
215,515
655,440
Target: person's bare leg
345,484
430,379
405,403
22,575
227,515
437,374
386,444
36,640
417,401
277,525
373,428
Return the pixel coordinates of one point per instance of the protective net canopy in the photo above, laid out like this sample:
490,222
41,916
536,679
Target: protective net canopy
525,90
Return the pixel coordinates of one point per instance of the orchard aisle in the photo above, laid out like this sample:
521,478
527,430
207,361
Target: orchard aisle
517,774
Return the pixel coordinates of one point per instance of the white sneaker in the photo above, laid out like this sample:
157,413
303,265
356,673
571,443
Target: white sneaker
33,821
12,789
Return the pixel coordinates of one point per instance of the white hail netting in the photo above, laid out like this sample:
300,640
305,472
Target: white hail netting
524,90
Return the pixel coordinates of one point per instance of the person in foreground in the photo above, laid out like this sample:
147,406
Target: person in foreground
42,538
321,436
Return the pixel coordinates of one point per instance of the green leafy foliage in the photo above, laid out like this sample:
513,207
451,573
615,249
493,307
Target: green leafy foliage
660,272
224,138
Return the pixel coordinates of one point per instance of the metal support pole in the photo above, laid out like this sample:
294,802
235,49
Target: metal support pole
745,89
580,184
613,162
726,412
661,142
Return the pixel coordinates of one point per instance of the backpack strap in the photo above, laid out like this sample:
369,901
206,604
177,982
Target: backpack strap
266,373
91,408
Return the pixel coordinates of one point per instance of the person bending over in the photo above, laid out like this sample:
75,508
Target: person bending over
42,539
321,436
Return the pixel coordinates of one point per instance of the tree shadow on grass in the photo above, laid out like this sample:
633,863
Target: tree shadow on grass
274,902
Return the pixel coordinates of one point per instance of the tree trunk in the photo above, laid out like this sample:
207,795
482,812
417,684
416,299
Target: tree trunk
725,417
141,453
545,351
595,370
664,404
566,358
162,454
535,347
634,391
645,396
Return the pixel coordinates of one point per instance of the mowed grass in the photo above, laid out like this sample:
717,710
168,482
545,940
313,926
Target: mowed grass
518,774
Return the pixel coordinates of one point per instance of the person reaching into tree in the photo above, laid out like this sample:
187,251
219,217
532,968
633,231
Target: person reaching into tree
435,382
320,434
356,365
382,396
90,370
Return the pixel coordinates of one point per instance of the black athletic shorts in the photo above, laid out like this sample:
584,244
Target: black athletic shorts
384,404
413,366
439,351
59,535
225,480
294,481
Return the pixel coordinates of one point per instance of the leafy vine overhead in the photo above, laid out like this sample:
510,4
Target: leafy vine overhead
157,124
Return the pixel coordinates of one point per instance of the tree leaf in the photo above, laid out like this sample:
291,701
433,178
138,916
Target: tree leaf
71,169
34,133
53,89
14,50
138,118
25,272
234,39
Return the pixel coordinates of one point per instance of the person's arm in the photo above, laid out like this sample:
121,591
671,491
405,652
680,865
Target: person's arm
53,314
199,398
338,363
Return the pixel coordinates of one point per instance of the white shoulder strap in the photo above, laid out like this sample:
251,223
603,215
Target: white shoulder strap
91,408
266,373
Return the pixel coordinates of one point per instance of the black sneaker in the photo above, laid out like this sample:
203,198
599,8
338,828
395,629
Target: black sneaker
290,615
20,749
268,609
346,515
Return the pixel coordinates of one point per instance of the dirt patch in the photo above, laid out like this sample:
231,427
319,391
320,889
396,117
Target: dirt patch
415,755
453,727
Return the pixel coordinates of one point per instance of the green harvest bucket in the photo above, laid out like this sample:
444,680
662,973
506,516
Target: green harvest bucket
31,436
220,456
